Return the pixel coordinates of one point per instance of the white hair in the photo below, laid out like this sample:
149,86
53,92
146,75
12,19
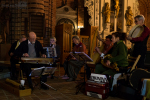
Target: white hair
76,37
140,17
53,38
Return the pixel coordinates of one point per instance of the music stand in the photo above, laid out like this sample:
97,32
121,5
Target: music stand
49,71
43,71
81,56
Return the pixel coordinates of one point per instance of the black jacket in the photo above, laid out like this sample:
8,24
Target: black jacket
23,48
13,46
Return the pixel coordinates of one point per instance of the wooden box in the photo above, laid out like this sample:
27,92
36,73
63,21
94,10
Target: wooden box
14,90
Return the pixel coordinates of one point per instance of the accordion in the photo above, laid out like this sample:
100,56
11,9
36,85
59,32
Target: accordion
97,89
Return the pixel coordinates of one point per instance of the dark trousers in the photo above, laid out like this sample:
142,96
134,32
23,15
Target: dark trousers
13,62
142,51
73,67
26,67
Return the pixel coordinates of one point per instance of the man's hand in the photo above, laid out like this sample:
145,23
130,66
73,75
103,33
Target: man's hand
108,63
11,54
43,55
25,55
129,38
97,49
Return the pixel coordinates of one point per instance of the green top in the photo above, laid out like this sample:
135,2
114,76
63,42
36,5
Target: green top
119,54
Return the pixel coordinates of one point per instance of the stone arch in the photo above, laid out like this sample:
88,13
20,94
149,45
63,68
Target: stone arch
67,21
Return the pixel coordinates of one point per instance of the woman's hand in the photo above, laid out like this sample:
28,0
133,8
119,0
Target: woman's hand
99,38
97,49
108,63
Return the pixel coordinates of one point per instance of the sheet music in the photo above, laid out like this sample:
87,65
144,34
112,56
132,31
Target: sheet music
49,70
81,56
36,71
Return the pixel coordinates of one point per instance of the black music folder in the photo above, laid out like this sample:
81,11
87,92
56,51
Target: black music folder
81,56
37,71
49,70
43,71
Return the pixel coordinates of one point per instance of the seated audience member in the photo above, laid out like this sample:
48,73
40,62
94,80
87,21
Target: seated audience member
31,48
72,67
56,51
14,59
119,56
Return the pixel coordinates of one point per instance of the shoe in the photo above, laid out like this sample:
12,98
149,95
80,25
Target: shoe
70,79
44,87
65,77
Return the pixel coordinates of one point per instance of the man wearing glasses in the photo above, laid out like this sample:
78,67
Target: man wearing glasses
140,43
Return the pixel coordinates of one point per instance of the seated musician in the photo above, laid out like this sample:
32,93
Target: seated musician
31,48
119,56
107,46
105,49
72,67
14,59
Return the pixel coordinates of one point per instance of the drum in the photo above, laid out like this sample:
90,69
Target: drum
136,31
136,76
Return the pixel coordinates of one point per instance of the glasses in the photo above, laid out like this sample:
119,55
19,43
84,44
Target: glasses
135,21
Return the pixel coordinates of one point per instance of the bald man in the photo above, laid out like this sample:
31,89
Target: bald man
30,48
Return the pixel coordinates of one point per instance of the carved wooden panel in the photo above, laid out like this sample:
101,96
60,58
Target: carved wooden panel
64,39
90,31
85,40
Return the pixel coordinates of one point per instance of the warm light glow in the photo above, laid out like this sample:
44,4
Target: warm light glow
80,27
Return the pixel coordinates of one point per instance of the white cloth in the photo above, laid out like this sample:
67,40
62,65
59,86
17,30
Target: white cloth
115,80
143,89
102,55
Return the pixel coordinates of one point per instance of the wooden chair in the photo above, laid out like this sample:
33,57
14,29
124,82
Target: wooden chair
133,62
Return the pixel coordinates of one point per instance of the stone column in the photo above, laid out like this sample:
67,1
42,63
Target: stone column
107,25
101,21
96,13
115,22
124,8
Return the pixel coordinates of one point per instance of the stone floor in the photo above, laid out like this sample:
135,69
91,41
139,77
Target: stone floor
65,91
